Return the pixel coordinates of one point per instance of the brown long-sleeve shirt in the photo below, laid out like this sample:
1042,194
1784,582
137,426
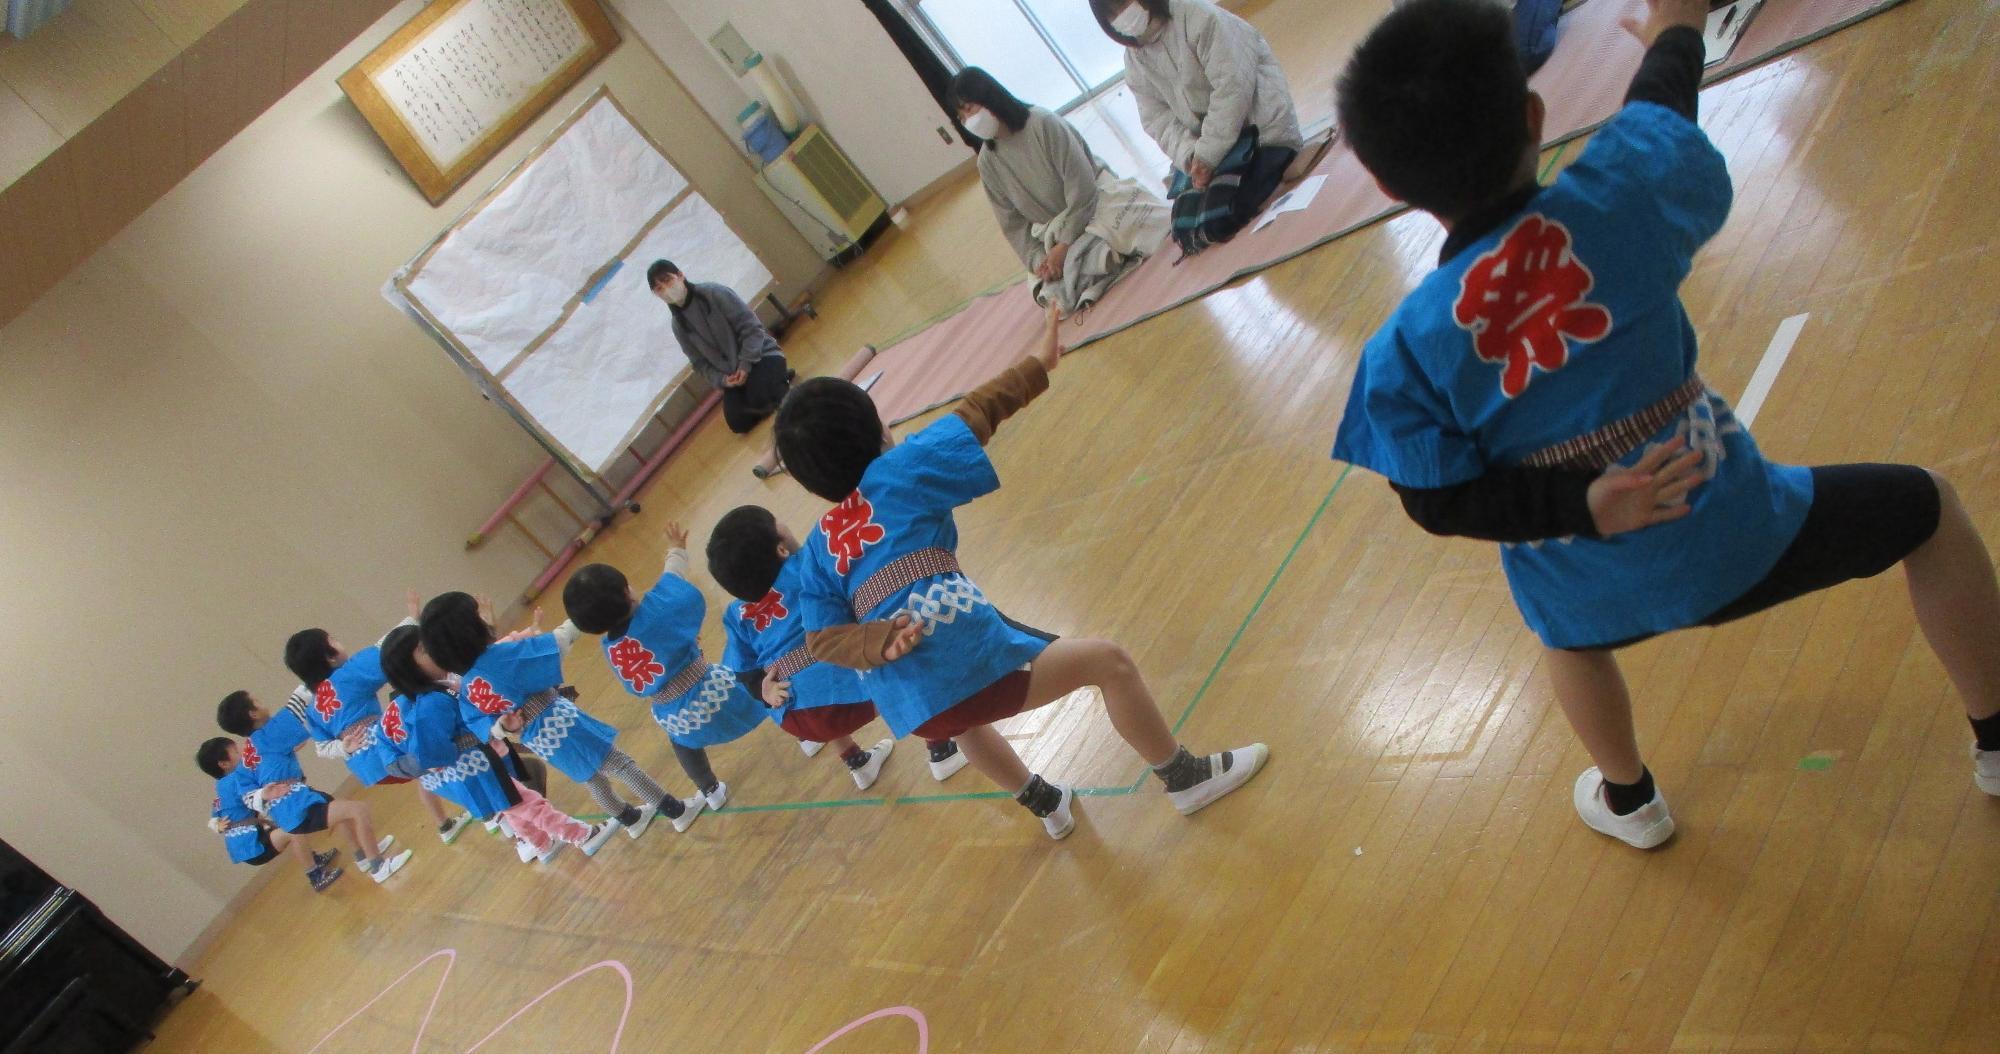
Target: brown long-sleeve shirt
859,646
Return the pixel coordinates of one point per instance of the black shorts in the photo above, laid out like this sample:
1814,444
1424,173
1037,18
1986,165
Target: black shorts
1864,520
269,853
315,820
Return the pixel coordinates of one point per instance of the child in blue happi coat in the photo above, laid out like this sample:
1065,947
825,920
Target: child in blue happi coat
1539,390
756,559
246,836
883,592
653,644
270,783
515,683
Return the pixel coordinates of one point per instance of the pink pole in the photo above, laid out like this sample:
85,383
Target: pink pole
506,507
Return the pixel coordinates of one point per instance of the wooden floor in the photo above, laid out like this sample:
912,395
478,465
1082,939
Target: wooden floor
1408,874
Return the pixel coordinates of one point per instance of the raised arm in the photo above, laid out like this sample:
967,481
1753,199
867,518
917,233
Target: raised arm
986,406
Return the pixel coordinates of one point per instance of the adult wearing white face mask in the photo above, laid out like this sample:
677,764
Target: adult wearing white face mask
725,344
1204,77
1073,222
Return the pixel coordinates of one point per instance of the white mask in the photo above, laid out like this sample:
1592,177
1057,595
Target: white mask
677,292
983,124
1133,21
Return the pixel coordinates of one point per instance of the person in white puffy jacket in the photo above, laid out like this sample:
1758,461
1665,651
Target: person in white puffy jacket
1201,77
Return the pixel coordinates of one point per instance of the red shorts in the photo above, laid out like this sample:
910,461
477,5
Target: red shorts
388,780
824,724
996,702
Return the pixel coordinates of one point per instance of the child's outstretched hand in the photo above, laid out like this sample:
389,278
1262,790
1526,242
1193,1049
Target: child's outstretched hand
1650,492
676,535
776,693
1662,15
1050,349
416,603
903,640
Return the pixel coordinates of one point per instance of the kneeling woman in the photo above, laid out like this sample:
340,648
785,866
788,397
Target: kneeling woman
1074,223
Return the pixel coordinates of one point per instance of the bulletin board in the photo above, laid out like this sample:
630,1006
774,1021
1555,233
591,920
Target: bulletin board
463,77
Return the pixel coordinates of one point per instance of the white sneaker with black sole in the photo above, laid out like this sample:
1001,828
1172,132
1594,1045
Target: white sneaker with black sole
718,797
1243,763
690,808
600,833
1986,770
645,820
871,769
946,769
811,747
1062,821
389,866
1643,828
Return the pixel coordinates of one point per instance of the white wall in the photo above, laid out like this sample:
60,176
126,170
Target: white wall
215,432
837,59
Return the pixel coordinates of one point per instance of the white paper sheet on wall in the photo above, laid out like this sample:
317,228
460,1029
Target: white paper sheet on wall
511,285
505,273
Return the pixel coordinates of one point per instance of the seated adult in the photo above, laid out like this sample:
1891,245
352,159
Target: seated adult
725,344
1073,222
1211,94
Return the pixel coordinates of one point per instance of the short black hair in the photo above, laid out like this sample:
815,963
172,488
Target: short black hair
1434,102
743,552
453,632
660,272
233,713
828,433
309,655
399,663
595,599
210,756
1106,10
976,86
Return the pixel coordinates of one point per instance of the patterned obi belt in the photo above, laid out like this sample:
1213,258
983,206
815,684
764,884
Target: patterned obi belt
790,663
1605,447
360,735
685,681
900,574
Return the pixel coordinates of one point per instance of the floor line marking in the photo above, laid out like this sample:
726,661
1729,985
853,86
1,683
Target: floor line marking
1774,358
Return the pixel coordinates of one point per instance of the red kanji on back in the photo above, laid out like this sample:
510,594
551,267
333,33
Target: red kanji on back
766,611
1524,300
392,722
635,664
479,691
251,757
326,701
850,529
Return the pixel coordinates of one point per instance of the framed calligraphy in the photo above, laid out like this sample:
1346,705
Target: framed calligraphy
451,87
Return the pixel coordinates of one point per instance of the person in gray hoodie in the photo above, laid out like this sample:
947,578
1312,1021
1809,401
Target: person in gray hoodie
725,344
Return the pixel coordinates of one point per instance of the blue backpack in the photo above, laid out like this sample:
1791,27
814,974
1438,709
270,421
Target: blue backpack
1535,30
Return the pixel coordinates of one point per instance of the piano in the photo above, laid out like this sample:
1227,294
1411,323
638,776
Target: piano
71,982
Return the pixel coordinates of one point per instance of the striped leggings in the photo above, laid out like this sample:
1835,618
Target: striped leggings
619,765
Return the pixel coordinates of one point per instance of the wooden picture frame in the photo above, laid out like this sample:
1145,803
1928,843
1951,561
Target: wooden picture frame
442,67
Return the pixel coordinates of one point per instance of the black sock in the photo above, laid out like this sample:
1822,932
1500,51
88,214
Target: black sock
627,816
1184,770
1987,731
1040,796
671,807
943,749
855,758
1628,798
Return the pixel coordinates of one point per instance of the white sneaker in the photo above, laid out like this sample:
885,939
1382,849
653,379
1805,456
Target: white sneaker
1986,770
645,820
1645,828
718,797
546,855
492,827
383,845
692,808
946,769
1062,821
454,827
390,866
870,770
811,748
600,833
523,850
1244,762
